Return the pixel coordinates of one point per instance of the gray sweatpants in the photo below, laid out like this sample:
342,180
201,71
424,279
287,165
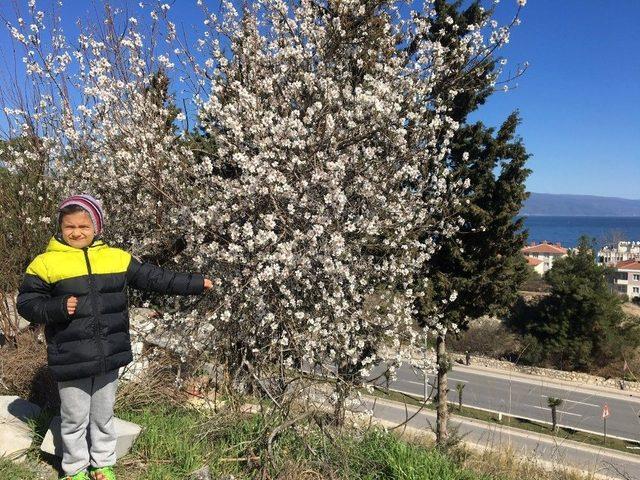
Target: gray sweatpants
88,402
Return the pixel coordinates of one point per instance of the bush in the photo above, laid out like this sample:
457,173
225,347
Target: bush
26,221
534,282
532,351
486,338
578,325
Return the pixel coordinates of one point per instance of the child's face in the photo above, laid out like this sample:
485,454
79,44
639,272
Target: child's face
77,229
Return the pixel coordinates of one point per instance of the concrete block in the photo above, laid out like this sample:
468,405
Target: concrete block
126,432
15,434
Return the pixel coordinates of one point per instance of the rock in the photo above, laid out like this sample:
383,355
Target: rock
200,474
134,370
15,434
166,340
126,432
10,303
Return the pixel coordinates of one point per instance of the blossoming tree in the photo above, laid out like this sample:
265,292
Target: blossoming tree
333,118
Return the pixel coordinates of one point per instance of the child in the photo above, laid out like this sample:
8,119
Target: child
77,289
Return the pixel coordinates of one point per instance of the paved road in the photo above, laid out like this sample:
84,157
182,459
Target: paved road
581,410
533,446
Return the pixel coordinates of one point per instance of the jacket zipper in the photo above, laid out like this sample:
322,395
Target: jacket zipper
96,322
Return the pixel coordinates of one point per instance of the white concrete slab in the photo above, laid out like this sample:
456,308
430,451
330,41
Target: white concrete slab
15,434
127,433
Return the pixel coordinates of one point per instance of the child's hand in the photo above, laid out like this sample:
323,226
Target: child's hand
208,283
72,303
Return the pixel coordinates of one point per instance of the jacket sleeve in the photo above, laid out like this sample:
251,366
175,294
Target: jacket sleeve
149,277
34,301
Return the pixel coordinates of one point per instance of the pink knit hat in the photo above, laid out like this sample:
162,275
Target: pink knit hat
91,205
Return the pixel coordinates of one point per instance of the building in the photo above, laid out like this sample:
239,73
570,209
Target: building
611,255
545,252
536,264
626,279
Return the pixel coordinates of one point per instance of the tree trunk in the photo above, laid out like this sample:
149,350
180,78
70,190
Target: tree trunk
443,390
554,419
339,411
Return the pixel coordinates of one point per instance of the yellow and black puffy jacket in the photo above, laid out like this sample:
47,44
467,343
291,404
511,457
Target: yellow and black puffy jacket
95,339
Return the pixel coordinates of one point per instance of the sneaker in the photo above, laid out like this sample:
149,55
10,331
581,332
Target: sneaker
107,473
83,475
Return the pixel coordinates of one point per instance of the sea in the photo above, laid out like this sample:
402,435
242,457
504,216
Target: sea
568,230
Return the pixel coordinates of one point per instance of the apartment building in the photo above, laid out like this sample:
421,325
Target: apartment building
536,264
545,252
626,279
611,255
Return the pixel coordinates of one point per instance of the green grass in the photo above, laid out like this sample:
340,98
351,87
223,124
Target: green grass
515,422
380,455
175,441
11,470
170,447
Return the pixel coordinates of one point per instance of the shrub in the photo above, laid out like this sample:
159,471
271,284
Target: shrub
490,339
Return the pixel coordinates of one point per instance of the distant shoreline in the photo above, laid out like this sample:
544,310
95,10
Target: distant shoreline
559,205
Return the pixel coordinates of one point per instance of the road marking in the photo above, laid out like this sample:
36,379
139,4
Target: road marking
576,401
490,429
457,380
514,415
548,408
408,381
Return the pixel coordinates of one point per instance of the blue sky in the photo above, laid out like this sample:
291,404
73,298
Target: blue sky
579,100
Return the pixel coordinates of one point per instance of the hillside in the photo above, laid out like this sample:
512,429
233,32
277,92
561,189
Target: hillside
580,205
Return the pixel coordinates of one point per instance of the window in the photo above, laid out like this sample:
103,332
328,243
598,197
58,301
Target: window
636,289
636,276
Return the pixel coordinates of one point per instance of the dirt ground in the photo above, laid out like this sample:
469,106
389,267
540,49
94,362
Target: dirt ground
631,309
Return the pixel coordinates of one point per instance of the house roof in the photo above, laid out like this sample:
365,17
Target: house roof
534,261
545,247
628,265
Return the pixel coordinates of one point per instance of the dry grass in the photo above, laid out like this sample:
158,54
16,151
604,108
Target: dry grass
24,371
507,464
155,386
632,310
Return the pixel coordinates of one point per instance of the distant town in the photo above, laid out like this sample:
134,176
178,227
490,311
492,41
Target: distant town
623,257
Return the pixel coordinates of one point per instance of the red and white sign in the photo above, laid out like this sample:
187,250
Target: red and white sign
605,411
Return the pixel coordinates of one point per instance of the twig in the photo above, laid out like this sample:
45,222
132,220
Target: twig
251,458
283,427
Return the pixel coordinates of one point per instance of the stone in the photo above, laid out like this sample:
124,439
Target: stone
135,370
10,304
126,432
15,434
200,474
165,340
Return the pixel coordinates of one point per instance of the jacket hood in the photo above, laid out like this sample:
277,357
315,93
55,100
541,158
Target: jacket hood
57,244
